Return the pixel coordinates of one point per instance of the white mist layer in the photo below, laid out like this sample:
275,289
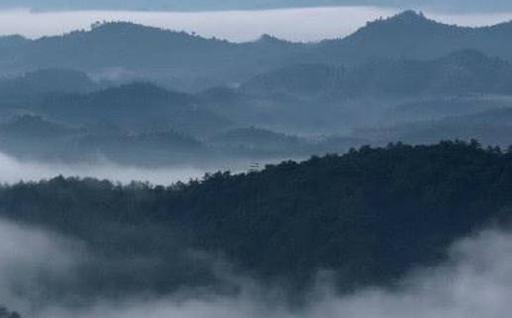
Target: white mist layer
27,257
13,171
475,283
299,24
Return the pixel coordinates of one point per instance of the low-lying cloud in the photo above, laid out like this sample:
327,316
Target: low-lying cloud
296,24
476,282
29,258
13,171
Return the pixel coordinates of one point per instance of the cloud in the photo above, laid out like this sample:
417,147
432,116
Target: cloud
296,24
29,259
13,171
476,282
455,5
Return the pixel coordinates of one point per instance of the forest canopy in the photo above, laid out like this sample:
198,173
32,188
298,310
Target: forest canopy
367,216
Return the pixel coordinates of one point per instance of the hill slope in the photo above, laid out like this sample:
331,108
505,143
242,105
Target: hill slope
412,35
368,217
167,55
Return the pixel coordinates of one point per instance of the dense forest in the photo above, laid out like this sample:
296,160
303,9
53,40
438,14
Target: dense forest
367,217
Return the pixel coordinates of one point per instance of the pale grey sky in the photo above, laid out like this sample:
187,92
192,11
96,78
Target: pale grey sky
444,5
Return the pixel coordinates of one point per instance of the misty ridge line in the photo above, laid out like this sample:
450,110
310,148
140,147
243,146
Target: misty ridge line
178,129
13,171
311,17
216,17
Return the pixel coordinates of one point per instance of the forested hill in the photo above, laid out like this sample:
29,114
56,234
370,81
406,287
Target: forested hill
369,216
163,55
458,73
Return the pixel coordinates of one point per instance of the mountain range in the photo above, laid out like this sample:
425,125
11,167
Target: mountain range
265,99
292,111
198,62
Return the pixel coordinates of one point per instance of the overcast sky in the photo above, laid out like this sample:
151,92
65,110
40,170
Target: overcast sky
449,5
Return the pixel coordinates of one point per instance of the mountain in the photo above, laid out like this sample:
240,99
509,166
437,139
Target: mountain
412,35
199,63
439,107
367,217
35,137
492,127
46,81
458,73
162,54
323,98
20,94
133,107
304,80
259,143
382,90
34,127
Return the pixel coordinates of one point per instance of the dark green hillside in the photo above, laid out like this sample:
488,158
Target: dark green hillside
368,216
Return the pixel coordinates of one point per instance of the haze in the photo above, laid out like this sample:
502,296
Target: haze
255,158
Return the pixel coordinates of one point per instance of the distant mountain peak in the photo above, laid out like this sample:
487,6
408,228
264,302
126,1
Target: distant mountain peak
120,26
114,24
410,15
270,39
408,18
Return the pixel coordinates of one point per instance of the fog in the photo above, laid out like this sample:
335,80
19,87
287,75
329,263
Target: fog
13,170
475,282
315,23
29,258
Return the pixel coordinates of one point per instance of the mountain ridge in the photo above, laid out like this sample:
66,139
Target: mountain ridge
166,55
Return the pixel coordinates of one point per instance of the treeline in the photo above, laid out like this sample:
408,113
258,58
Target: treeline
367,216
